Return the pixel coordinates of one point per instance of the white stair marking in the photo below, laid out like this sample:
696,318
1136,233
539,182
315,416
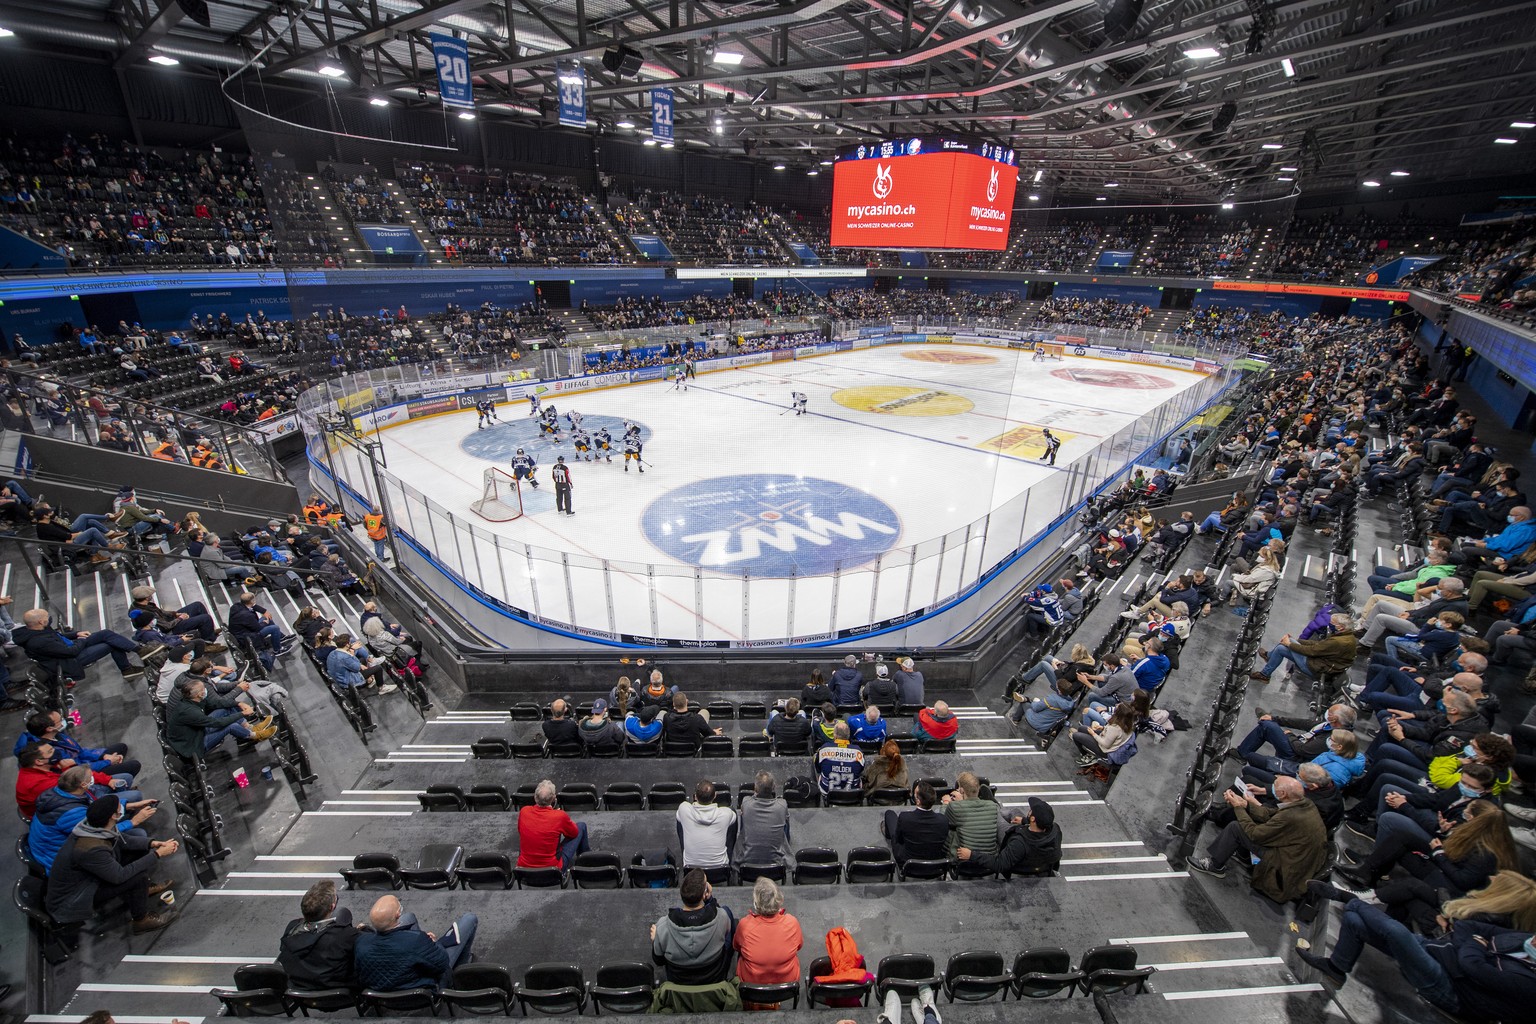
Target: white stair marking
1148,940
1194,965
1264,990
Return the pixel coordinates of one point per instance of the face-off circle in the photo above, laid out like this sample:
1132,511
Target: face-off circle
771,524
500,441
1125,380
953,356
899,400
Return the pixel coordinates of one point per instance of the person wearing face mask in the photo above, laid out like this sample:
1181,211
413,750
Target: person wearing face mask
1488,748
1518,534
1416,741
1461,858
1478,972
1411,688
1439,637
1289,840
1449,596
1334,652
1341,759
1418,813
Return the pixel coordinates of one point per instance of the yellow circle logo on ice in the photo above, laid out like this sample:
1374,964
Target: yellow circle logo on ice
896,400
929,355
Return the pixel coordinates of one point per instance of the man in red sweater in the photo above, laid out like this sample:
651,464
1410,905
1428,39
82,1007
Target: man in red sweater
37,775
546,835
936,723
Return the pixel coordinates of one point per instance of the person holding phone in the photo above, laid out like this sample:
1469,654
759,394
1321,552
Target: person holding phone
398,954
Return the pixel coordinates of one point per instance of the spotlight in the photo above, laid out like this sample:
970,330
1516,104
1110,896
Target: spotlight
466,115
332,71
1512,124
625,124
778,167
1371,183
1504,141
1228,206
6,33
726,58
1399,174
378,101
1271,145
1202,53
1287,67
163,60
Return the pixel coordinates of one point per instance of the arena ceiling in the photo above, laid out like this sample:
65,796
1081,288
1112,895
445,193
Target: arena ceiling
1199,98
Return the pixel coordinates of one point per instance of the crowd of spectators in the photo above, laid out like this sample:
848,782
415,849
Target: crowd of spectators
101,203
706,228
1089,313
481,218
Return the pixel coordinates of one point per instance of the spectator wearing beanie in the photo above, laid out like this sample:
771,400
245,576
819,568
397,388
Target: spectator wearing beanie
1031,846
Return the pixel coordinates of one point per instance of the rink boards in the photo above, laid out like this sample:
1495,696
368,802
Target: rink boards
913,478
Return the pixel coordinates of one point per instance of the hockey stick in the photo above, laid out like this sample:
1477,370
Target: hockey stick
789,410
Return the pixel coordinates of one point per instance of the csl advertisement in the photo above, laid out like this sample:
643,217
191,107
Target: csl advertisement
927,201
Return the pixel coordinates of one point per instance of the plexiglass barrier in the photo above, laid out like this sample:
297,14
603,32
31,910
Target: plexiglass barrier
643,601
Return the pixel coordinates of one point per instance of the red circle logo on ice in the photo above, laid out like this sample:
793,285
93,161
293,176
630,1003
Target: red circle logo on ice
771,524
928,355
1125,380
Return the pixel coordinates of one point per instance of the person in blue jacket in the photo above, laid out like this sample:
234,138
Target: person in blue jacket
63,807
846,682
1152,667
397,953
1518,534
48,727
644,725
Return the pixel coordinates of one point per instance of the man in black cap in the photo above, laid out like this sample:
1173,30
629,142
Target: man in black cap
1031,846
98,863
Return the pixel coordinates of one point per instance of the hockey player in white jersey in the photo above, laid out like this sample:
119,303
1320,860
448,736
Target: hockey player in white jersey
583,444
603,443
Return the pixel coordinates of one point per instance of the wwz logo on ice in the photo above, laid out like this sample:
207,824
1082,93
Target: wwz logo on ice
771,525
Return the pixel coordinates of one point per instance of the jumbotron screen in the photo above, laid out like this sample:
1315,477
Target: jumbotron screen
923,194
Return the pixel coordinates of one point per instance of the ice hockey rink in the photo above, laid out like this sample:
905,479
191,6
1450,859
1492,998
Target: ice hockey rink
915,467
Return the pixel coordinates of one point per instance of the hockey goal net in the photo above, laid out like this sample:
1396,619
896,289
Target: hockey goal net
501,497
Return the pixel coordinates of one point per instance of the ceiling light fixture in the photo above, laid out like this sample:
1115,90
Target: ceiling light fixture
625,124
778,167
1202,52
1271,145
1227,206
1512,124
729,58
1038,175
466,115
667,145
1371,183
1288,168
1287,67
378,101
1034,199
719,129
6,33
163,60
826,163
650,142
1503,141
1101,199
1284,177
1399,174
332,71
812,173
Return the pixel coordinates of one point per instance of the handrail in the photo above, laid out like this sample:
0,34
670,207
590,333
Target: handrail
148,417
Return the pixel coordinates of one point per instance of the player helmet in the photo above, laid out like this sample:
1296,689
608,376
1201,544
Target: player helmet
519,451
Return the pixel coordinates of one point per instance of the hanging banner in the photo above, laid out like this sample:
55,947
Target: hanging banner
661,115
573,96
452,58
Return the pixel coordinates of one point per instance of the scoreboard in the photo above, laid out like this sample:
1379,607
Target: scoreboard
923,193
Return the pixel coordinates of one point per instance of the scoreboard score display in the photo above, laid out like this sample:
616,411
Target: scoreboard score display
923,193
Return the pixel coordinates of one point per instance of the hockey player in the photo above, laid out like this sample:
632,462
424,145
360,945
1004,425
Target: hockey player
574,419
798,399
583,444
533,405
523,466
604,442
632,451
549,424
487,410
680,378
1039,356
1052,442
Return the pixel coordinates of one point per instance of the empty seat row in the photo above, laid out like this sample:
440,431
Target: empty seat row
629,987
442,797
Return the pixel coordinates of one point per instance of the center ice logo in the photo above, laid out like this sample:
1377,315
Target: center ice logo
771,525
992,187
883,183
